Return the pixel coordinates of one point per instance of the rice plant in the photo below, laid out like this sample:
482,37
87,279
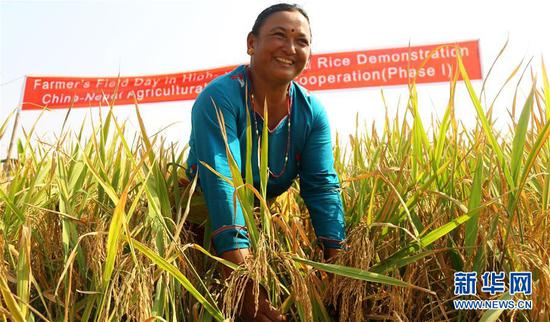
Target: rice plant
99,228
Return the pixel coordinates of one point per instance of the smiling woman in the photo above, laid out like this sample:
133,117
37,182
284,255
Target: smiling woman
299,139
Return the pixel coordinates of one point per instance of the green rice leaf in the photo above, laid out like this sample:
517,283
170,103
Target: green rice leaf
249,177
219,259
493,315
144,135
520,136
359,274
24,270
264,168
485,123
115,230
546,89
176,273
5,124
471,226
445,123
237,181
105,185
396,260
10,301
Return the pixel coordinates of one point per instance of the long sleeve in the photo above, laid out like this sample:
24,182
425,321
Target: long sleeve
319,184
228,226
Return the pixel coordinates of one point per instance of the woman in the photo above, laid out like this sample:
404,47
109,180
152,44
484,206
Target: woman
299,137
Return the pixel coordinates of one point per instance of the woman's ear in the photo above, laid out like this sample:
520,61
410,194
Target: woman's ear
250,43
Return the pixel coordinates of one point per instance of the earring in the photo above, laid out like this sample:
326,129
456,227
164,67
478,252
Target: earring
250,51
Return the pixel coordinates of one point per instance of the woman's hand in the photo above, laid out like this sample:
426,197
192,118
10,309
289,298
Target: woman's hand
266,312
331,253
236,256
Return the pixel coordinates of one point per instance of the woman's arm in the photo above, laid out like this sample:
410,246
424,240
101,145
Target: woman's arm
227,222
319,184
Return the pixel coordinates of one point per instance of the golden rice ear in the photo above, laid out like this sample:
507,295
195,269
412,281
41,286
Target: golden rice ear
256,270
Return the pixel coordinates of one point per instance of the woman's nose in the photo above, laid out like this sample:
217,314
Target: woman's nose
290,47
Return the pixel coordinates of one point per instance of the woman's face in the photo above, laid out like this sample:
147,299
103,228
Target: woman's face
282,47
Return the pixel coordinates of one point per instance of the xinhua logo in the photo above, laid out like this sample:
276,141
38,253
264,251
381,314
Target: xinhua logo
465,283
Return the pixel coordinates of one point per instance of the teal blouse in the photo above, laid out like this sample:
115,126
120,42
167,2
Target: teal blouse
309,157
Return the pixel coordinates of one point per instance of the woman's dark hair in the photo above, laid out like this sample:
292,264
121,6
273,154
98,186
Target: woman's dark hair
273,9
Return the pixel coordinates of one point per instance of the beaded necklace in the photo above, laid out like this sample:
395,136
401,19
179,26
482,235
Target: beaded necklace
289,104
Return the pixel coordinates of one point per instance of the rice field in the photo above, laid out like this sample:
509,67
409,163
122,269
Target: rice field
99,228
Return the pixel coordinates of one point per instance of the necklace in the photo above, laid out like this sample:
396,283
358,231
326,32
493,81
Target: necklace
289,104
